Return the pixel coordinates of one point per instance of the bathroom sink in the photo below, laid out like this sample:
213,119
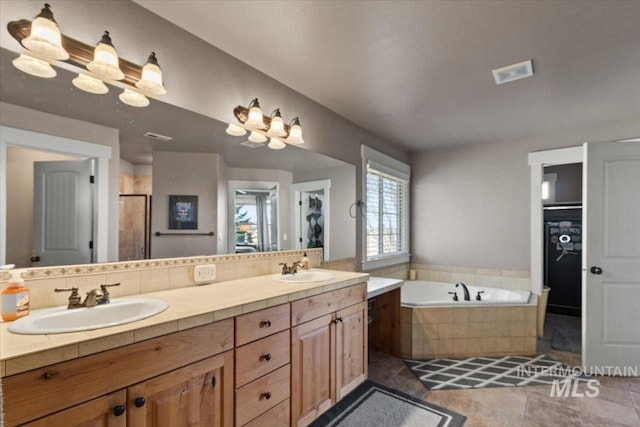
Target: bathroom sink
305,277
58,320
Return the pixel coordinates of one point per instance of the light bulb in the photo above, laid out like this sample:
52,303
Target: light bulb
295,133
45,38
34,66
276,144
151,80
255,119
133,98
257,137
235,130
105,60
90,84
277,124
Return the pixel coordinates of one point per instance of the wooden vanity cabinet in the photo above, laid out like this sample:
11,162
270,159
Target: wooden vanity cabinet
328,351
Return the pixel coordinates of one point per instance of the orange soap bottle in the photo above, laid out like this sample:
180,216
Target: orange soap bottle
15,299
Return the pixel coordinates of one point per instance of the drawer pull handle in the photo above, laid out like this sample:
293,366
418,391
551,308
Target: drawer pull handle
267,395
49,375
267,357
213,381
119,410
266,323
139,402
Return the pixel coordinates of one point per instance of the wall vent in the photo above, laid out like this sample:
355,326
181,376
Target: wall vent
157,136
510,73
251,144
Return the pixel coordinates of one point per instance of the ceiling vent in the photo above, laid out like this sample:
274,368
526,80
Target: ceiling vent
251,144
513,72
157,136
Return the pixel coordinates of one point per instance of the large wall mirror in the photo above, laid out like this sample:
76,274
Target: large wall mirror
200,193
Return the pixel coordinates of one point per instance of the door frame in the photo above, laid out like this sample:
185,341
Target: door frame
323,185
537,161
10,136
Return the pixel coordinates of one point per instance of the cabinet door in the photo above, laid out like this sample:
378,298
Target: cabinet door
105,411
200,394
312,370
351,348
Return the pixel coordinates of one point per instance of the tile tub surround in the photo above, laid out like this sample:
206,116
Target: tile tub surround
437,332
504,279
151,275
188,308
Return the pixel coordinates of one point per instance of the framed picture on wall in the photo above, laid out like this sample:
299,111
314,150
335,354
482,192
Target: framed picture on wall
183,212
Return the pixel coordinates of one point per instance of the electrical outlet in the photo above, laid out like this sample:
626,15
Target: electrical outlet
204,274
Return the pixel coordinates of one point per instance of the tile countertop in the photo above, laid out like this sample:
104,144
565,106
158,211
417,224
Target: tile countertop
380,285
188,308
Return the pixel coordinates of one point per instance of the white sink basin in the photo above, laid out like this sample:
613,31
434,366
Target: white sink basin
58,320
305,277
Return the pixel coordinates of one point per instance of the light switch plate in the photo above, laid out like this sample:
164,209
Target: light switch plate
204,274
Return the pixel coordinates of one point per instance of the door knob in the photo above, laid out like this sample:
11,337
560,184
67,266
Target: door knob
35,258
596,270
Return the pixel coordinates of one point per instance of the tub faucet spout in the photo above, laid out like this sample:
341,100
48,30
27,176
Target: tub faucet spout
465,290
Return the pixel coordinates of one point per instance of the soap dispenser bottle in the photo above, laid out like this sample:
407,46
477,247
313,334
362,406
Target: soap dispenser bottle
15,298
305,262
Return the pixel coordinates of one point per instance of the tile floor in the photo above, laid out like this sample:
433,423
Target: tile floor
618,402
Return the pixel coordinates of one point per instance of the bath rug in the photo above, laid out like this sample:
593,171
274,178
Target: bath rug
374,405
480,372
567,340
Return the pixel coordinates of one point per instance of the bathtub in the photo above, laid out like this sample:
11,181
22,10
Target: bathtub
434,326
420,293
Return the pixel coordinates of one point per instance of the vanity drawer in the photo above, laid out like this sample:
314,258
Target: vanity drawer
318,305
261,395
278,416
262,323
261,357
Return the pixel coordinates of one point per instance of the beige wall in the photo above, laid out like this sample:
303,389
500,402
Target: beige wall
470,205
189,174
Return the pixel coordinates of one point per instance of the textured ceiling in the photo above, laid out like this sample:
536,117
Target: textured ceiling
419,73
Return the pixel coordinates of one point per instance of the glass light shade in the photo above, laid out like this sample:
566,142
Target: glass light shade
34,66
90,84
105,60
134,99
45,38
276,144
277,127
255,120
257,137
235,130
295,135
151,80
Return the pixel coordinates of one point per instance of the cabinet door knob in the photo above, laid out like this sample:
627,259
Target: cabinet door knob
596,270
267,357
119,410
213,381
139,402
266,323
267,395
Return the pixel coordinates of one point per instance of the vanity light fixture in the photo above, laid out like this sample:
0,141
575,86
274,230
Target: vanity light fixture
263,127
45,44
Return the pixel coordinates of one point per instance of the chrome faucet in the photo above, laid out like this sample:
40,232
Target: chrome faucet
293,269
94,296
465,290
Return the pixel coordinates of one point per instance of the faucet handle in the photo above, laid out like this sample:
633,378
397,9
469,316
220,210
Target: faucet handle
455,295
73,290
105,292
74,299
478,297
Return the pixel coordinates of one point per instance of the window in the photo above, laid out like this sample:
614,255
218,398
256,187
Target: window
386,223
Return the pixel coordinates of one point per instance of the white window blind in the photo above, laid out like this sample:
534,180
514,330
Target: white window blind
387,200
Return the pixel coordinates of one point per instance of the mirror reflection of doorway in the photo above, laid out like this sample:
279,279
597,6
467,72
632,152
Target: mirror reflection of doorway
255,220
311,215
134,227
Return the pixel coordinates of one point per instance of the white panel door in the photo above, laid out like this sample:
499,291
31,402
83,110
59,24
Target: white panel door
62,213
611,255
